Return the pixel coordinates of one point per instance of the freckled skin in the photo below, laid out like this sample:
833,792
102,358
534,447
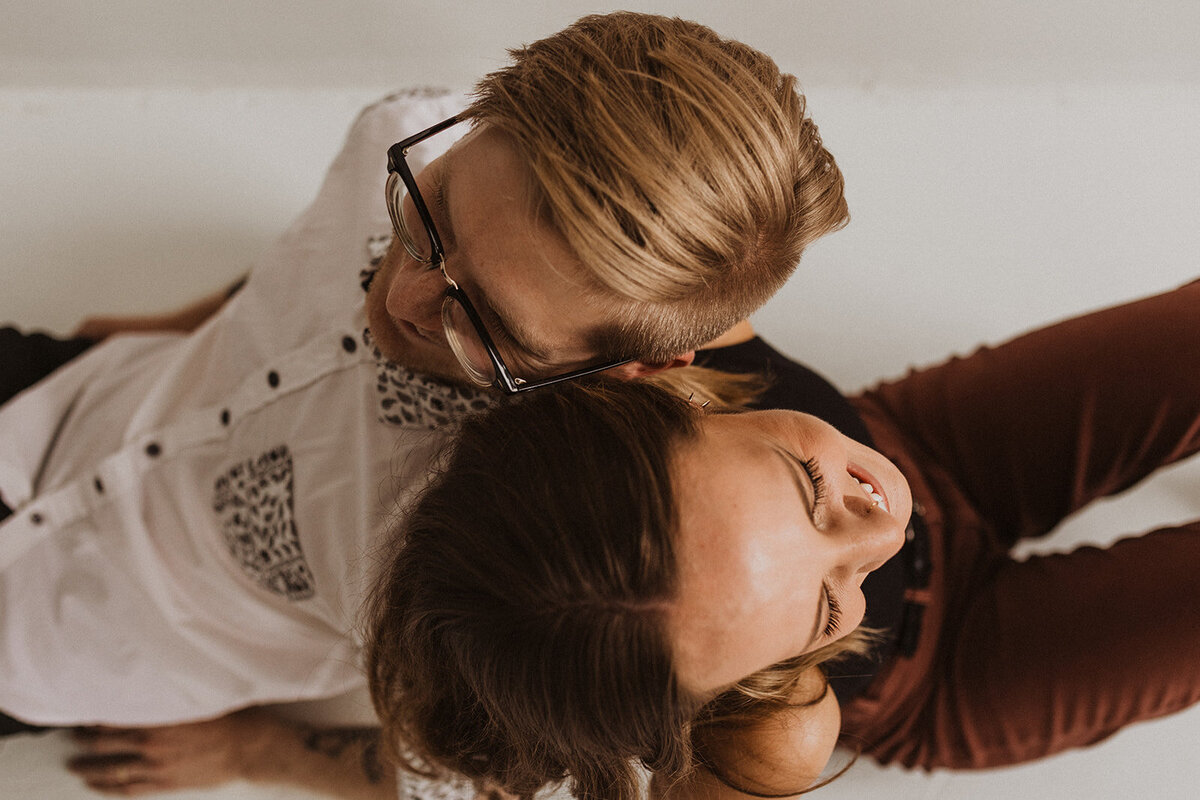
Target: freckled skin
752,564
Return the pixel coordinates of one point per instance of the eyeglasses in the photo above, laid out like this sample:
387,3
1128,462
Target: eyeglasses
465,331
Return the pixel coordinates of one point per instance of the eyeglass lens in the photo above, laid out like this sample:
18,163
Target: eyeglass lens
460,331
465,342
406,221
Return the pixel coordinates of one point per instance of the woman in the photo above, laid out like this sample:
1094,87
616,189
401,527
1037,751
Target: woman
614,574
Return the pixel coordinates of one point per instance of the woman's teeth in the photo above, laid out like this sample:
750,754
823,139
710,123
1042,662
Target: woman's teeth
875,496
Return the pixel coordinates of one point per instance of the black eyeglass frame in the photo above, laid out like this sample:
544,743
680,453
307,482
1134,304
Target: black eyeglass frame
505,381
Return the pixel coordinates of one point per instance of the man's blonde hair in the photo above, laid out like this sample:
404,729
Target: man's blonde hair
680,167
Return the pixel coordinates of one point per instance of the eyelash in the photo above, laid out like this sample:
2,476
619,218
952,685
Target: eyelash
835,614
813,469
818,480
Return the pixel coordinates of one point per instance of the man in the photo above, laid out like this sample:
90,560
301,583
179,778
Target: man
193,517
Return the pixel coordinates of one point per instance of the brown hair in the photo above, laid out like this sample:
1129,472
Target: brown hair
517,633
681,168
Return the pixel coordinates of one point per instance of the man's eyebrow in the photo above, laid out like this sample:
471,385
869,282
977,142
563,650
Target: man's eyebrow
511,332
441,198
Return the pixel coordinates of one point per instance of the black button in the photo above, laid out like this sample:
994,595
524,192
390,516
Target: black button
273,378
153,450
225,416
348,344
36,518
99,484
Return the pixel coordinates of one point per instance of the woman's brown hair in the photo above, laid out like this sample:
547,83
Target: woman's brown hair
517,632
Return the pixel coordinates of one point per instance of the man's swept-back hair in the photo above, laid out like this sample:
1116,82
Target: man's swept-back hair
680,167
517,631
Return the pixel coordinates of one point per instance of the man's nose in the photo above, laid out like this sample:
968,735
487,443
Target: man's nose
416,293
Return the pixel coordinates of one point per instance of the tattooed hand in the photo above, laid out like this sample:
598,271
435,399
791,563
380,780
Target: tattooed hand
133,761
253,745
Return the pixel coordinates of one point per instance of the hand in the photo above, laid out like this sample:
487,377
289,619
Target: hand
135,761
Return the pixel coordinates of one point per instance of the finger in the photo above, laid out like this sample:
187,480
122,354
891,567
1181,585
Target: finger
110,740
116,774
89,731
118,768
132,789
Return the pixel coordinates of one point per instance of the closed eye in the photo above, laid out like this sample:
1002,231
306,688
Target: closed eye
813,470
834,624
812,478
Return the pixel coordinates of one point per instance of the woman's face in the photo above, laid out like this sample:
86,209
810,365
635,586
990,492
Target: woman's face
781,517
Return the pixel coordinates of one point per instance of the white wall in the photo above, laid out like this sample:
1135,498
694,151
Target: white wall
362,42
149,150
1007,163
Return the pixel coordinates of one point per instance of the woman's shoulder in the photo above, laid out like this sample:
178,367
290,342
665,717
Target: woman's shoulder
782,752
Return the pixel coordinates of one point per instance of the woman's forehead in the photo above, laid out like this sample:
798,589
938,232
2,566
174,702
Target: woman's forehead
744,597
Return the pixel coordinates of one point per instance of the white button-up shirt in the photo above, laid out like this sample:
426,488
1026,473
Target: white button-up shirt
195,516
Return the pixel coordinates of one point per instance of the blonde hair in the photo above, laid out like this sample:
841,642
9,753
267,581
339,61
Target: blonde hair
680,167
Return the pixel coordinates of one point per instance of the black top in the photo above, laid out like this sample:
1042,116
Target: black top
797,387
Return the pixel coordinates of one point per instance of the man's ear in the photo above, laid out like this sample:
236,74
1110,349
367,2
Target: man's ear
640,369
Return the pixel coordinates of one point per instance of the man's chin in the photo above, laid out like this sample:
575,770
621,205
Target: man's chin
440,366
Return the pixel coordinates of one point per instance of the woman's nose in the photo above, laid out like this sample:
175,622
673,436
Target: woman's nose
867,531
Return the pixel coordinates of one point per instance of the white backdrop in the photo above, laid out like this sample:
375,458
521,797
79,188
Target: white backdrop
1006,164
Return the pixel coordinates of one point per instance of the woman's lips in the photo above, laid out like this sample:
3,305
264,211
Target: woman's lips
870,486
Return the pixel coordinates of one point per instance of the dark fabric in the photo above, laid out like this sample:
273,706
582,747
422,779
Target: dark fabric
26,358
791,385
12,727
1019,660
796,387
